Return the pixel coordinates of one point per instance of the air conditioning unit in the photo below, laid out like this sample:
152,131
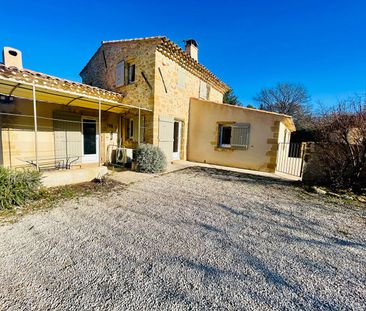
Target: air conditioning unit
124,155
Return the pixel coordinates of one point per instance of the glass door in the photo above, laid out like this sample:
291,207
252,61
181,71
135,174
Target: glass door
177,140
90,140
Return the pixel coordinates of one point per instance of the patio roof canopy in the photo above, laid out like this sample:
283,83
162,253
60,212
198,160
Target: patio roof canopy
20,83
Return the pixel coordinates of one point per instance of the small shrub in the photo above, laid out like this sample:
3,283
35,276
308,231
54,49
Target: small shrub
149,159
18,186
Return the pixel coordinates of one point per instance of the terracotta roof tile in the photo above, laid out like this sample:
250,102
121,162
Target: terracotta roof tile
41,79
176,53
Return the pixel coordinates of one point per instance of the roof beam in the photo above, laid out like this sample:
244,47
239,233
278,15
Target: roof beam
76,98
13,89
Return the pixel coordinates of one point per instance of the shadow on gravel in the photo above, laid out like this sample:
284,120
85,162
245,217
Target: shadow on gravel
225,175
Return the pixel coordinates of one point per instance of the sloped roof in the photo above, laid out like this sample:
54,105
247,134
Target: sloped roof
43,80
19,83
287,119
176,53
133,39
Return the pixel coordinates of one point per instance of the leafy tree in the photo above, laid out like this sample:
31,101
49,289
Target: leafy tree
287,98
231,99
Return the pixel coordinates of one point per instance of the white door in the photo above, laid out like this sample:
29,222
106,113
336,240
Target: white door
90,140
177,138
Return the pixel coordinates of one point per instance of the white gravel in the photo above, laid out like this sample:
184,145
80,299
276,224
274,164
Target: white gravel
194,239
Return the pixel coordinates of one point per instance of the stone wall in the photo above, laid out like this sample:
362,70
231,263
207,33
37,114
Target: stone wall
164,96
172,99
315,169
101,72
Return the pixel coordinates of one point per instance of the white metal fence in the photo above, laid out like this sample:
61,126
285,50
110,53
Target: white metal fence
290,158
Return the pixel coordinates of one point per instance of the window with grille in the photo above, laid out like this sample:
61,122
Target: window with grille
234,136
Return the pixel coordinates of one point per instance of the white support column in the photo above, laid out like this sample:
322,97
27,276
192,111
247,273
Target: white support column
35,124
100,131
139,129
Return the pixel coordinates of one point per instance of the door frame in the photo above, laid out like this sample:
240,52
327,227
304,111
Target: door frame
89,158
176,155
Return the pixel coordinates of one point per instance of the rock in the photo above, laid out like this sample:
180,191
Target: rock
333,194
319,191
361,198
346,197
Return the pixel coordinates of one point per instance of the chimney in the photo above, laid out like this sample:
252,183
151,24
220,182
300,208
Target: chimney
192,48
12,57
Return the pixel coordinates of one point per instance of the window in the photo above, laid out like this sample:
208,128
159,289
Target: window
225,136
130,128
234,136
125,73
131,73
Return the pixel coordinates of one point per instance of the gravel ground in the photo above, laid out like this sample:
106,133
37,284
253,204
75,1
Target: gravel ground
194,239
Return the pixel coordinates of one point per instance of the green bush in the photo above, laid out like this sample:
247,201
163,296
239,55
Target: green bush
18,186
149,159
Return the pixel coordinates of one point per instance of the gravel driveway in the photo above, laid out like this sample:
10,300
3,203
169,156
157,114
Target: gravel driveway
193,239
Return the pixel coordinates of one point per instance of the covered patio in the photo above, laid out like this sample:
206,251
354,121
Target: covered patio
51,123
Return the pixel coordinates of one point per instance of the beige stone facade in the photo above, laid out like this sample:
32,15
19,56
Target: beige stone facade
266,129
18,138
164,82
146,86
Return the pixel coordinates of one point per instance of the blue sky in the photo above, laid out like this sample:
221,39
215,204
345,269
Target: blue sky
248,44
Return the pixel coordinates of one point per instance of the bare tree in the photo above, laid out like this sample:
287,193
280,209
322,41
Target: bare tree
287,98
341,133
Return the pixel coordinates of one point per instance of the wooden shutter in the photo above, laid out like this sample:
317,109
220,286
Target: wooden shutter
240,135
166,135
203,90
120,74
181,78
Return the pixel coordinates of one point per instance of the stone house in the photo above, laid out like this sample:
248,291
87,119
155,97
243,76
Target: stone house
178,89
132,91
155,73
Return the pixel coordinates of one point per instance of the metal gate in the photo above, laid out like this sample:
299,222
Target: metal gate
290,158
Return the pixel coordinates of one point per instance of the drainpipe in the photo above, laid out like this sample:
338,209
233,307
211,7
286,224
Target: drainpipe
100,130
35,124
138,132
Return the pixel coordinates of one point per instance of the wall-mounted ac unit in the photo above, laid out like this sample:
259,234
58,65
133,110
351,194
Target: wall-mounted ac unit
124,155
